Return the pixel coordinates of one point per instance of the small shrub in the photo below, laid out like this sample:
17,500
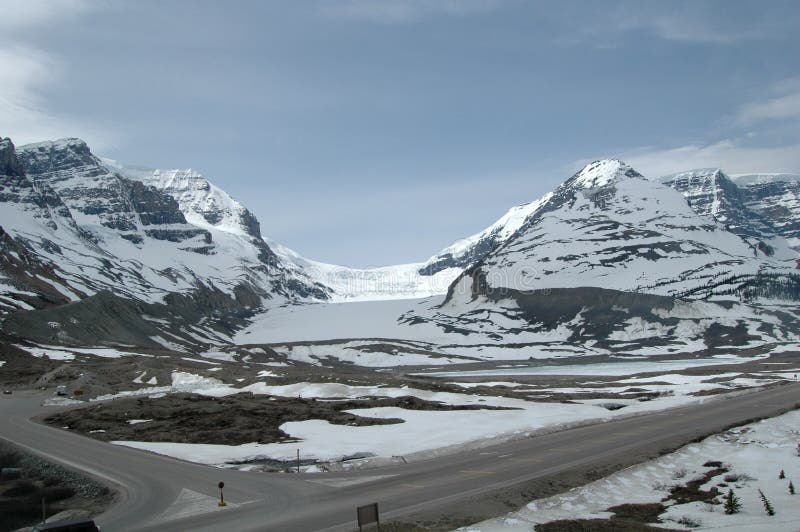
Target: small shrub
732,503
680,473
737,477
688,521
767,505
662,486
713,463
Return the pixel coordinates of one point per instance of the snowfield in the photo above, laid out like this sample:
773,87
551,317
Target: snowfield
756,453
495,331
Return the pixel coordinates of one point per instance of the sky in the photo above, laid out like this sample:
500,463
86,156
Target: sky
375,132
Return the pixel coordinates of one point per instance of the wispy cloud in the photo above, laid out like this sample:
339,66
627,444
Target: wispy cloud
608,25
26,14
403,11
785,105
29,72
733,156
736,149
683,27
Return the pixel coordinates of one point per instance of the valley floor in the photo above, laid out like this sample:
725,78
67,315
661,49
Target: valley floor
373,417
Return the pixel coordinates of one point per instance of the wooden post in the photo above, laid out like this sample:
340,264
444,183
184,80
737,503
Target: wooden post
298,460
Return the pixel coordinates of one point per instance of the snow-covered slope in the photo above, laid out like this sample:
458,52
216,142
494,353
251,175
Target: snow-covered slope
468,250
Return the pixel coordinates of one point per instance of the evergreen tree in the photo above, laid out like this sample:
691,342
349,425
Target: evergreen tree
791,488
767,505
781,474
732,503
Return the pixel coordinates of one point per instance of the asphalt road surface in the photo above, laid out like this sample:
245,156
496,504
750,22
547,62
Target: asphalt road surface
165,494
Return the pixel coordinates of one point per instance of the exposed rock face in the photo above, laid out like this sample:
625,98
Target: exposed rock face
105,198
205,205
204,202
37,199
9,162
712,194
775,197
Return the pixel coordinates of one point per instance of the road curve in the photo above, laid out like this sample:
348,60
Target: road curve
149,484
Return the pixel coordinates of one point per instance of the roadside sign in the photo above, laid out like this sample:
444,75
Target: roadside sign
368,514
221,498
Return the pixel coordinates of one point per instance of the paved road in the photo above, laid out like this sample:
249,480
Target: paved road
151,484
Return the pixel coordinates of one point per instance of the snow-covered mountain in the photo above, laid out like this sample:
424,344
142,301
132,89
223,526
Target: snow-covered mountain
73,229
610,227
609,249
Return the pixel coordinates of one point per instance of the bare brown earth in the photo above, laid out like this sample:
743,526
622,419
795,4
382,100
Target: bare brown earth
232,420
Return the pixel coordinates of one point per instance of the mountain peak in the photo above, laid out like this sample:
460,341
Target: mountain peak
71,143
53,155
603,172
763,178
696,174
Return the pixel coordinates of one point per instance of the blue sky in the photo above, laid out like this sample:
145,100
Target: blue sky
376,132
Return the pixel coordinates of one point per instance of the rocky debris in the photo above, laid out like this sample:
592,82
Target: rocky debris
61,516
108,319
